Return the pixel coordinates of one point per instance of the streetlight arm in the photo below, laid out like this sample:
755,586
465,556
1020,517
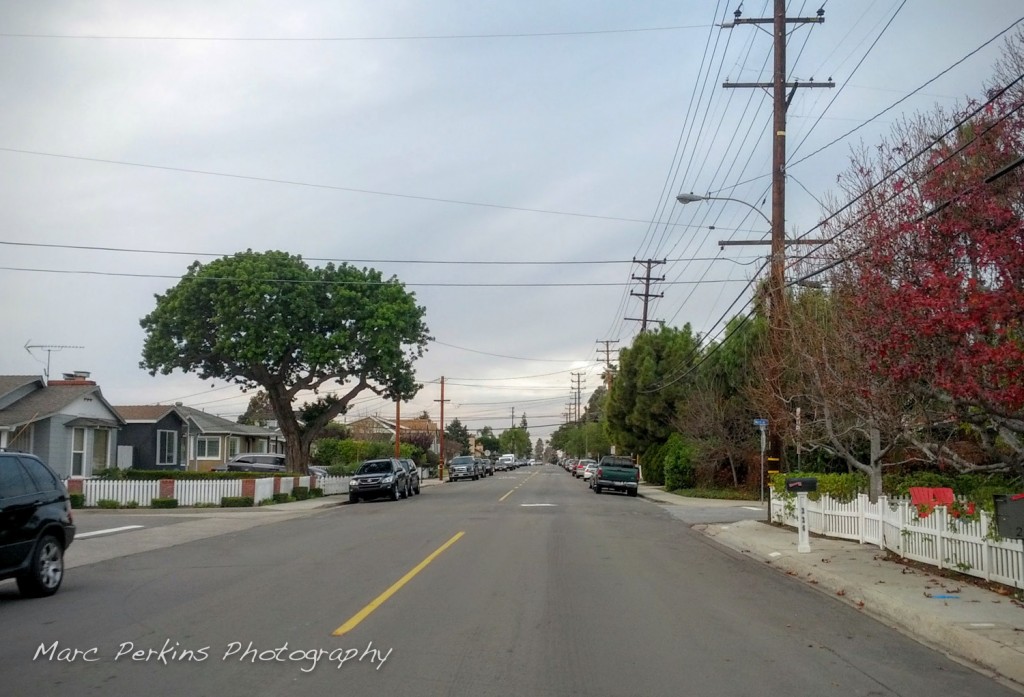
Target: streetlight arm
691,198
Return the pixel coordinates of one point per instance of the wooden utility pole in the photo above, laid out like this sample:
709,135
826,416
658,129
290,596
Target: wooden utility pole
647,294
777,278
440,460
608,360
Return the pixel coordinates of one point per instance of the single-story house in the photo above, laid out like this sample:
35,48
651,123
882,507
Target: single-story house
214,440
375,428
157,435
67,423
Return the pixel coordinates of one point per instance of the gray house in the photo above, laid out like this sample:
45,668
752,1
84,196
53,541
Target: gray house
157,435
164,437
67,423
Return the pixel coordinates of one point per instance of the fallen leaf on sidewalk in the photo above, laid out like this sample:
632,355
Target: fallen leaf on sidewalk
840,592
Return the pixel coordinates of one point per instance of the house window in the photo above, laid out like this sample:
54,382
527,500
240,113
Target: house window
234,446
166,447
77,451
100,449
21,439
207,448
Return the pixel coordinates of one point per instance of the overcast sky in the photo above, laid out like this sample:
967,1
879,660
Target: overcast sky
535,148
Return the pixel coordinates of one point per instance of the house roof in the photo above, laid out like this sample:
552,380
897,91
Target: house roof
374,421
10,383
208,423
49,401
146,413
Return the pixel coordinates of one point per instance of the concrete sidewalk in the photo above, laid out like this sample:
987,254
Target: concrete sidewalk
980,626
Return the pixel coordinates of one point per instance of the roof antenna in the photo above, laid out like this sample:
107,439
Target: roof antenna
49,352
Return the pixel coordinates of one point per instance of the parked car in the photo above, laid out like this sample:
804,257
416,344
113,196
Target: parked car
320,472
257,462
580,466
36,524
589,470
463,467
413,472
375,478
507,462
486,466
617,474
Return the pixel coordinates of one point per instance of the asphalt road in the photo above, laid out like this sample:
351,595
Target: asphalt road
521,584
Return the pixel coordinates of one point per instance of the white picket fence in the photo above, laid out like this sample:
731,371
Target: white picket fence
192,492
938,539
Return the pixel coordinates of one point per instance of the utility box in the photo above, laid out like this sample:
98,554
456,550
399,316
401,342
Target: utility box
795,485
1010,515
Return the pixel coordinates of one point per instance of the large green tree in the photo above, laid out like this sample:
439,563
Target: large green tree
488,441
456,432
515,441
269,320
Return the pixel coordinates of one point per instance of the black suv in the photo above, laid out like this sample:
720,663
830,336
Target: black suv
413,473
384,477
35,524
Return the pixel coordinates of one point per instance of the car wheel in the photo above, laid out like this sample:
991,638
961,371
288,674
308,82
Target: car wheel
597,490
46,570
394,493
632,492
417,490
450,480
353,498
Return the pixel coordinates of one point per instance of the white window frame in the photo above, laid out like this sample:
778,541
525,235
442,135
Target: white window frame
171,438
105,461
205,442
234,446
78,450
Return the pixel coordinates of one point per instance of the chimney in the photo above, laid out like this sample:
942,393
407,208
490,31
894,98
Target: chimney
79,377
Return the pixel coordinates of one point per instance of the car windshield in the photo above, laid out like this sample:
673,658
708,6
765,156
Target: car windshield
462,461
375,467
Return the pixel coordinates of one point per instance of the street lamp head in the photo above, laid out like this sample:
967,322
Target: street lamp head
690,198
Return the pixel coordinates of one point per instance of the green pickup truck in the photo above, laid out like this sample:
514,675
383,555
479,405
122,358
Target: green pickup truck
617,474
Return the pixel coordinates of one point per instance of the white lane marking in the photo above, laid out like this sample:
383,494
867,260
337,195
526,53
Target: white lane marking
752,508
525,505
107,531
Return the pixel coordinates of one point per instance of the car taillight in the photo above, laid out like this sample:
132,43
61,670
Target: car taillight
598,471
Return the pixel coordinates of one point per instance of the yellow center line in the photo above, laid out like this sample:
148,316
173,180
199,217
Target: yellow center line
395,587
515,487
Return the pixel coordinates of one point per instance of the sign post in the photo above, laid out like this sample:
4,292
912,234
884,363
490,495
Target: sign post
762,425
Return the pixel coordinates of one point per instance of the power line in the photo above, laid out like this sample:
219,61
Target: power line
346,39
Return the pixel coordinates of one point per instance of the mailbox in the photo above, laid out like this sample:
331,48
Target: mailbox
1010,515
795,485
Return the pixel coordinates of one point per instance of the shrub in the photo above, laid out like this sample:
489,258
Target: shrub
164,503
267,502
131,504
282,497
77,500
108,503
301,493
652,464
678,457
316,492
236,501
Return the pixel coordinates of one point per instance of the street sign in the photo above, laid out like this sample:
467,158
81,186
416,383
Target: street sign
760,423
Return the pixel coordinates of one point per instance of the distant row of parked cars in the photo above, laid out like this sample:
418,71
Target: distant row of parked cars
471,467
610,474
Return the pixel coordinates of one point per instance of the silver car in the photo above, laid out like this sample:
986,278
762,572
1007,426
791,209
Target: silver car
463,467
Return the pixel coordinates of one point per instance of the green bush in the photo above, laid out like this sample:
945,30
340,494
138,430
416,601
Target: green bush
301,493
149,475
236,502
131,504
679,457
348,453
164,503
282,497
316,492
652,464
108,503
842,487
266,502
77,500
